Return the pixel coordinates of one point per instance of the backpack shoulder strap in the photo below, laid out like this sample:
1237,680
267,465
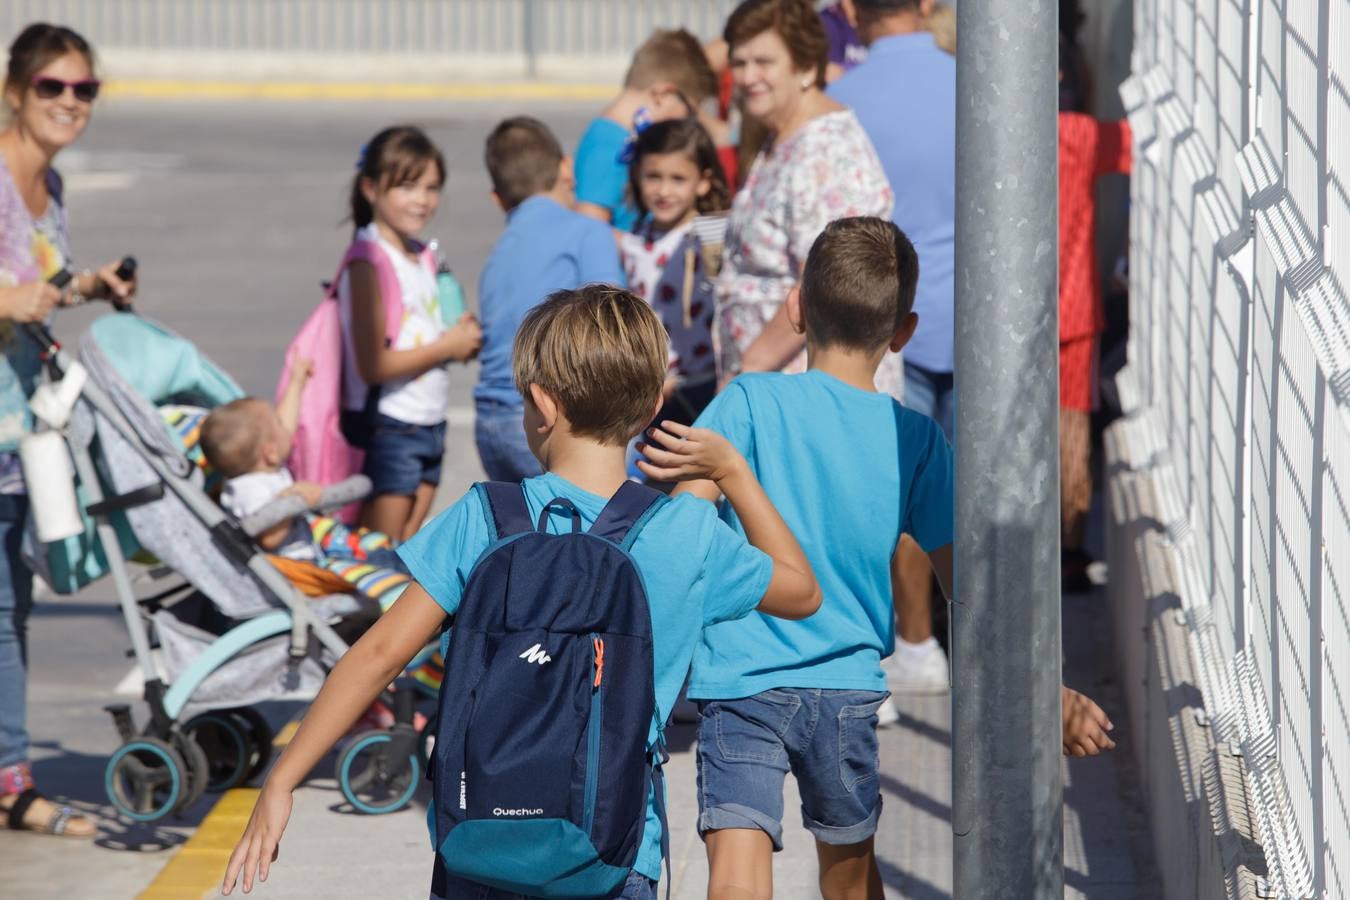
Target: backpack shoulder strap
505,508
627,513
391,293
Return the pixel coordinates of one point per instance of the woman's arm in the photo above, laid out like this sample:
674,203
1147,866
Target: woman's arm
30,302
777,345
378,363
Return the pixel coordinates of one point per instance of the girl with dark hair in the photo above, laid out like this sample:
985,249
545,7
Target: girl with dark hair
395,390
49,91
676,177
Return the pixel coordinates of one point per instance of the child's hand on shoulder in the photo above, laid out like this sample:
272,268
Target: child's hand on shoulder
462,341
260,843
1085,725
681,453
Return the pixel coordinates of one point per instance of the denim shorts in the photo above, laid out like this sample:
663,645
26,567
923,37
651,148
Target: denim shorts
827,739
400,456
445,886
934,395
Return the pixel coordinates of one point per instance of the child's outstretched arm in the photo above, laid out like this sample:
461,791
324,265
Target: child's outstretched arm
288,410
1085,724
364,670
681,453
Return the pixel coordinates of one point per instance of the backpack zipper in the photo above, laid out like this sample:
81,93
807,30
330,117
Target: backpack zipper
593,732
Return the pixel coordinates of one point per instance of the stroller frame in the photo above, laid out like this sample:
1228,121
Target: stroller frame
162,770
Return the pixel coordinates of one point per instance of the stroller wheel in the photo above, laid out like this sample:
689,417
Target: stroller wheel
379,771
225,748
260,737
145,779
198,769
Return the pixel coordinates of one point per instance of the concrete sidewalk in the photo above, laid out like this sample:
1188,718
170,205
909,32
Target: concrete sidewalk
393,858
330,851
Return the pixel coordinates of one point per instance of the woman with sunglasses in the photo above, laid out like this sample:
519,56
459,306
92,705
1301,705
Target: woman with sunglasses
49,91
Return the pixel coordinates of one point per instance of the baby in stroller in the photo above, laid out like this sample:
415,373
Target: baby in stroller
247,442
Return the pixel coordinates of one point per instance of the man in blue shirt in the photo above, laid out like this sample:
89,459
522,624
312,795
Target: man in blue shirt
546,247
904,95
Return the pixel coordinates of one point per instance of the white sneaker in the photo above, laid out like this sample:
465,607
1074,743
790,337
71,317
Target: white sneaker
917,669
887,714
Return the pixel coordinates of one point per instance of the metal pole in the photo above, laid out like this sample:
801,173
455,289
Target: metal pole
530,39
1007,814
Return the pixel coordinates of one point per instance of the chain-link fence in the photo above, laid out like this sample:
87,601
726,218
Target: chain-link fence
1239,376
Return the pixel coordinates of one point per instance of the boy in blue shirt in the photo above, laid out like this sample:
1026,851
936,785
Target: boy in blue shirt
850,470
669,78
546,247
591,364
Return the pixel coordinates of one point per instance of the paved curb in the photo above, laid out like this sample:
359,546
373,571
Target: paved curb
155,89
198,867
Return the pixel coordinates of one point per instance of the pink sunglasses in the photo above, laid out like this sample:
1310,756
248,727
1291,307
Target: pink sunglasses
49,88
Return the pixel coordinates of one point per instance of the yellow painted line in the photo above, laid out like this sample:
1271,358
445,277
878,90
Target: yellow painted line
199,865
322,90
285,734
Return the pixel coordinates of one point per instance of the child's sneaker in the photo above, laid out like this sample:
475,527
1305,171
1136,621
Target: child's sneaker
917,668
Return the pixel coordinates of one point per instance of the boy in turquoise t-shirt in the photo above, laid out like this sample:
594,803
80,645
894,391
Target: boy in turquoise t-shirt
590,364
850,470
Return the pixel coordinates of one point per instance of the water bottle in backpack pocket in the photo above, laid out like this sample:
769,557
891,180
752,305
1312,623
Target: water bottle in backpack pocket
542,759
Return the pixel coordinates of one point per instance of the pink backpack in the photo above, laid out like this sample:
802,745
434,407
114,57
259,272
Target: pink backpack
319,452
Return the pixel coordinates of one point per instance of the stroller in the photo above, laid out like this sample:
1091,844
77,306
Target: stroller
230,630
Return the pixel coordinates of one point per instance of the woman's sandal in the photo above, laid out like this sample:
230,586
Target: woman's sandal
61,819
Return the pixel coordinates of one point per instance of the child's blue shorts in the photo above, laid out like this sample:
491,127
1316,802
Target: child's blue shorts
400,456
826,738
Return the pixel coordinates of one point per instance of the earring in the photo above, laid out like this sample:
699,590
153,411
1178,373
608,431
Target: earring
807,83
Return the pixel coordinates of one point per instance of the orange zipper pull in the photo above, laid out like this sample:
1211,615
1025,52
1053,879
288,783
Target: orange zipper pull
599,660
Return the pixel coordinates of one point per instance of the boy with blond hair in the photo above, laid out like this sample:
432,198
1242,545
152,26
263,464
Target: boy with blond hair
669,78
590,364
851,470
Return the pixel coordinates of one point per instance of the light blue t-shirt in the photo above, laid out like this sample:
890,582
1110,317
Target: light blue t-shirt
696,571
546,247
601,178
849,470
904,95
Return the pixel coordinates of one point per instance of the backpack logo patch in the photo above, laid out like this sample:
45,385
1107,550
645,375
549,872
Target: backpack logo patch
536,654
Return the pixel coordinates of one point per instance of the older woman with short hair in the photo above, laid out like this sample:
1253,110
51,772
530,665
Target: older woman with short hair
817,165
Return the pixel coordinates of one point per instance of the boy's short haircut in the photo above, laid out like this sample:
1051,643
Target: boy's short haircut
522,158
601,352
232,436
858,284
675,56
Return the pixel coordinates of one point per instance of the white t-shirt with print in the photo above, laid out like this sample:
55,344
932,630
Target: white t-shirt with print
418,401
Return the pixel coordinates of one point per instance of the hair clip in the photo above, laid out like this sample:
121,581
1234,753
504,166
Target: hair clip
642,120
361,157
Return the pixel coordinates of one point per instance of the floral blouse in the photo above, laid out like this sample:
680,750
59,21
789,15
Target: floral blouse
824,171
30,250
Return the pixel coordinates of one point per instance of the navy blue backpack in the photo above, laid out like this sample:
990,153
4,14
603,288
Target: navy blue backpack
542,766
